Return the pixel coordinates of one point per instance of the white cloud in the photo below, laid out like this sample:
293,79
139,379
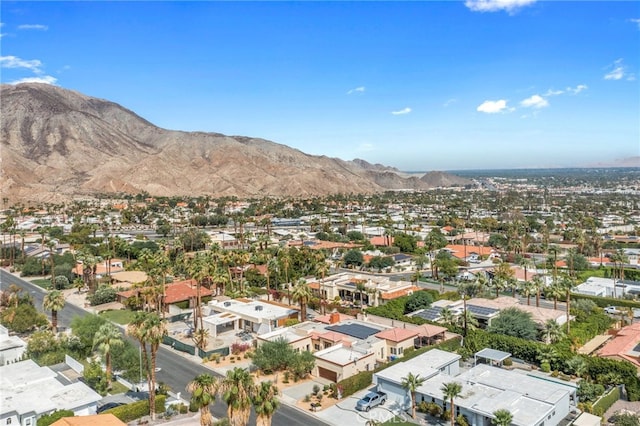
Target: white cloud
402,111
618,71
360,89
635,21
15,62
365,147
493,107
450,102
33,27
46,79
552,92
579,88
535,101
510,6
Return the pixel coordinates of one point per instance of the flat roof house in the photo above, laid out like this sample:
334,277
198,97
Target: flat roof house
532,400
253,315
11,347
28,391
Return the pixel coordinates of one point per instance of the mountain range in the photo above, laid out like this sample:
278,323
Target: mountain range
57,144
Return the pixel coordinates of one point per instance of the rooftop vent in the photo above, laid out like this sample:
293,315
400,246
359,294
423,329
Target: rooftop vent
259,308
227,303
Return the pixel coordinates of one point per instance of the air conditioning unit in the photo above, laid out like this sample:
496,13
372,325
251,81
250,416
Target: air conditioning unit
227,304
259,308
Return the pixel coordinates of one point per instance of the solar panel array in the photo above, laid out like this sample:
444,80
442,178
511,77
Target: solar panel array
481,310
358,331
430,314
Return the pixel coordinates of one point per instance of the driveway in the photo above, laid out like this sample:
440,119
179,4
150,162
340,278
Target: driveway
345,413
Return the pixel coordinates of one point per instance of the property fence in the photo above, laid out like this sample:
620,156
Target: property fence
75,365
222,351
178,345
183,347
179,317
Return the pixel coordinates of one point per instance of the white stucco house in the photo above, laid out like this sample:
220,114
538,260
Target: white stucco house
11,347
532,400
28,391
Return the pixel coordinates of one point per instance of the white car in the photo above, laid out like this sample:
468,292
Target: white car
611,310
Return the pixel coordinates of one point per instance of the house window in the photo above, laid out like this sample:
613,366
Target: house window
393,351
327,345
27,422
400,350
8,421
316,347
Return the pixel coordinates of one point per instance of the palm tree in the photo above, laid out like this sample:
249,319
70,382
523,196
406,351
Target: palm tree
106,338
447,316
53,301
502,417
201,338
554,291
302,293
265,401
203,392
552,331
566,284
411,382
236,389
451,390
538,284
527,288
149,329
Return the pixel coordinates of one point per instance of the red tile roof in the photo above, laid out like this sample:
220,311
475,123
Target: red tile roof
624,342
429,330
399,293
326,319
397,334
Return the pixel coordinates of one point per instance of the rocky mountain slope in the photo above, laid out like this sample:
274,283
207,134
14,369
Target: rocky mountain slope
57,143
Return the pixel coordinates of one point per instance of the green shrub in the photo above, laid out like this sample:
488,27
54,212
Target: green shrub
508,362
545,367
135,410
48,419
605,402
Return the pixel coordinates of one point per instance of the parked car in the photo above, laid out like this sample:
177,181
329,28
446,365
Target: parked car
611,310
370,400
108,406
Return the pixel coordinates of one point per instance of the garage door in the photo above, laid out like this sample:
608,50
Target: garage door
395,392
328,374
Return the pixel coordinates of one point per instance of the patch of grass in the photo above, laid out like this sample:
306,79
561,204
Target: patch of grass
42,282
122,316
117,387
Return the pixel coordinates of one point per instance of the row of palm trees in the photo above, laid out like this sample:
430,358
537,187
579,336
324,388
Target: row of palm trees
238,390
411,382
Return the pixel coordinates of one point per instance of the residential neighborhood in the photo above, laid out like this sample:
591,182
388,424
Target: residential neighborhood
455,308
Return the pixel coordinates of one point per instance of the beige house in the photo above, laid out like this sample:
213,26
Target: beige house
371,290
341,361
398,340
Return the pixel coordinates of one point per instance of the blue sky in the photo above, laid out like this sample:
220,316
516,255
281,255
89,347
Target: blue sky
417,85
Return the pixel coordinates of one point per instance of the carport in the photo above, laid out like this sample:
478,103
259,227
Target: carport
490,356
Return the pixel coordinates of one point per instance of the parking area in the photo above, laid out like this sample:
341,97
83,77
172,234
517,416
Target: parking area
345,413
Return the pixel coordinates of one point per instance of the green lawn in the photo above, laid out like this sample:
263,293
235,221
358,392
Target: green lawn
121,316
42,282
117,388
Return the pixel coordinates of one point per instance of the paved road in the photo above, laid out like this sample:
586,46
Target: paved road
176,369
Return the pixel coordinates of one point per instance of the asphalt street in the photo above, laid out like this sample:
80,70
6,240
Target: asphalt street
176,369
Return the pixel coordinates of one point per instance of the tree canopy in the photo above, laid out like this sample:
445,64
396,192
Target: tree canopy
514,322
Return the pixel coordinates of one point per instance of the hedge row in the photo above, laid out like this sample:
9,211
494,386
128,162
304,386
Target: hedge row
606,301
135,410
605,402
